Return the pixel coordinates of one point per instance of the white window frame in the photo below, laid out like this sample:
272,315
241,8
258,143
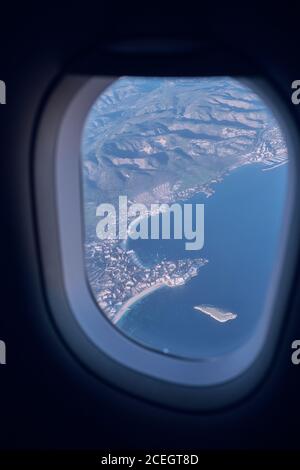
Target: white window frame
97,343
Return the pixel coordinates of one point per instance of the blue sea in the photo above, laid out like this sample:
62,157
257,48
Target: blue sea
243,222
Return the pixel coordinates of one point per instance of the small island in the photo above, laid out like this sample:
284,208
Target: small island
216,313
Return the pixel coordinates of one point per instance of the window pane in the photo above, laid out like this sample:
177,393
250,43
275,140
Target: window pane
187,271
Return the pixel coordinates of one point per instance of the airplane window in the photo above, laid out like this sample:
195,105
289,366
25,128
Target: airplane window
184,187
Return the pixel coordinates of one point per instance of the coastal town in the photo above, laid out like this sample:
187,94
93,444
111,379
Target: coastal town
119,279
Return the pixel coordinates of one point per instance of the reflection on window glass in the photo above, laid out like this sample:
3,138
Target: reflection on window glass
184,183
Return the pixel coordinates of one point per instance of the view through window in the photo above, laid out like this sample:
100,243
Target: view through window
184,184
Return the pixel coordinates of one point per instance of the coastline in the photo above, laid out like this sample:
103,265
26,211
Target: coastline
123,310
222,318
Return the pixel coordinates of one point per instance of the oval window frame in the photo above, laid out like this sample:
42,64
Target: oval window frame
101,347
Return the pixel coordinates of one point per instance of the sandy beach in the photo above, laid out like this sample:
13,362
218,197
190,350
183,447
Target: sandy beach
135,299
